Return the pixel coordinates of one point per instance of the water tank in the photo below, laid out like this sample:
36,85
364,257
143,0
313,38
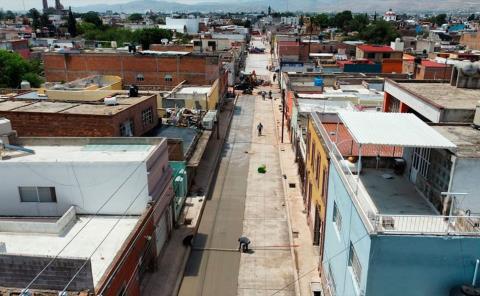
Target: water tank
25,85
318,81
133,91
110,101
468,68
5,126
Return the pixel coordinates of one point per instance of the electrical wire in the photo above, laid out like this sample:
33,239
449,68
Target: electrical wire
330,259
83,227
104,238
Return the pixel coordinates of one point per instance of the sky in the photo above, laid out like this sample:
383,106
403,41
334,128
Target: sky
19,4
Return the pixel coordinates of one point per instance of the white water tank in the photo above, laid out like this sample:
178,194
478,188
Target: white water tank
5,127
110,101
25,85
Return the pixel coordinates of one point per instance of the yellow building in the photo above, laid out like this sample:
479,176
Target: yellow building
316,180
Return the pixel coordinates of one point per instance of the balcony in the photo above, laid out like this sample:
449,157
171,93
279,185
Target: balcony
387,202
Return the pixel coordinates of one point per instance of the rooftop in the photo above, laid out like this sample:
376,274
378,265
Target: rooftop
443,94
465,137
188,135
375,48
82,150
82,246
26,104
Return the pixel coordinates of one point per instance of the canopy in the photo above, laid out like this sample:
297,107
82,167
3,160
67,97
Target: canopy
393,129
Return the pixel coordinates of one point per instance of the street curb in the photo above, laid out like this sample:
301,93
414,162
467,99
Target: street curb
208,193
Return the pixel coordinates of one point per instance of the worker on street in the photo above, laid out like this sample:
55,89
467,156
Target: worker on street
243,244
274,77
259,128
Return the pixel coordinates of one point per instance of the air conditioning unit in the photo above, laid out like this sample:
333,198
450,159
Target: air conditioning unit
110,101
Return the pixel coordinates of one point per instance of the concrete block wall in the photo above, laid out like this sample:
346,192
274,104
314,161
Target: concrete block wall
16,271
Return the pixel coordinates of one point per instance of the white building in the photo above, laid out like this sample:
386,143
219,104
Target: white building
390,16
182,25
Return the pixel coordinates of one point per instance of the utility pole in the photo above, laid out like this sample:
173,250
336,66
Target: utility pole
283,112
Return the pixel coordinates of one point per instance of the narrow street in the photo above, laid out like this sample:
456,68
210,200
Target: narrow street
245,202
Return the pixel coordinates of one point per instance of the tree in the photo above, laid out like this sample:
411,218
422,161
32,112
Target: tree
379,32
358,23
44,20
93,18
9,15
269,10
342,19
71,23
2,14
471,17
301,21
14,69
438,19
34,14
321,20
135,17
145,37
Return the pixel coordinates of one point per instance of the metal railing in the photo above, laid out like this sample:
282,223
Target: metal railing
428,224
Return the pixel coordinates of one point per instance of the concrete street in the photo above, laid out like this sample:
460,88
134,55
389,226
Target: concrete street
245,202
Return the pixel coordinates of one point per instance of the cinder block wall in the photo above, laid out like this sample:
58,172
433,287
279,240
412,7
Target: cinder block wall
16,271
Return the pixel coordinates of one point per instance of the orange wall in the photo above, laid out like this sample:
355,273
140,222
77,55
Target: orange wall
392,66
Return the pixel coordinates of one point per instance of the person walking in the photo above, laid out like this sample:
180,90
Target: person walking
270,94
260,128
263,95
274,77
243,244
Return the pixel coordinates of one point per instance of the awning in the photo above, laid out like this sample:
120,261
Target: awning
393,129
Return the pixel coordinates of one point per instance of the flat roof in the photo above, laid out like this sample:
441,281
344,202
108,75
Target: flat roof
394,195
59,150
392,129
444,94
84,108
465,137
82,246
187,135
190,90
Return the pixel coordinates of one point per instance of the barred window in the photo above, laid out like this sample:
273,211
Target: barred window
337,217
354,263
147,116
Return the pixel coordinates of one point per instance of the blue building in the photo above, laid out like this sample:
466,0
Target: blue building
382,236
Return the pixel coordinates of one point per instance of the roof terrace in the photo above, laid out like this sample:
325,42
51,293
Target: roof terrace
371,152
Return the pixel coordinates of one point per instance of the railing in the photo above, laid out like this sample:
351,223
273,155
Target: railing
428,224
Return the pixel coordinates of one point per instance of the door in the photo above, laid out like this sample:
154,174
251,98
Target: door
161,233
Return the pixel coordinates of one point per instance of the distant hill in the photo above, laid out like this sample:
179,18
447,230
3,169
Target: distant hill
291,5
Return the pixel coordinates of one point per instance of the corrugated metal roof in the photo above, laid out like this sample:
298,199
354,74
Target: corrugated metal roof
393,129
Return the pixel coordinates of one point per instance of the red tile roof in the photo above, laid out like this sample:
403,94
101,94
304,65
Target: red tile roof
432,64
375,48
348,147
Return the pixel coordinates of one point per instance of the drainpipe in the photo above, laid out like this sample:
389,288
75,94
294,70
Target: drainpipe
475,273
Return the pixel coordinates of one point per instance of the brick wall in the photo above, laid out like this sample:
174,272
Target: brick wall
37,124
17,271
196,69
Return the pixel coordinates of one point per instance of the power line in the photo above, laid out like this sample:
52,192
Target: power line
330,259
83,227
104,238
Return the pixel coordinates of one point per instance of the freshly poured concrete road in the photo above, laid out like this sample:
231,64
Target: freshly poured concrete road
245,202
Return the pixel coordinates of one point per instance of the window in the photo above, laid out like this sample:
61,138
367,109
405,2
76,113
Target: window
317,170
371,56
212,44
331,280
127,128
313,153
354,263
386,55
324,183
197,43
37,194
147,116
337,218
168,78
140,77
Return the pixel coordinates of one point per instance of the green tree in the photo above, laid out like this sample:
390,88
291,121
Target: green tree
439,19
34,14
9,15
71,23
301,21
269,10
358,23
342,19
146,37
135,17
379,32
93,18
321,20
471,17
14,69
2,14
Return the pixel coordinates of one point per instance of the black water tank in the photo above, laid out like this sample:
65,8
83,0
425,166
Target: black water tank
465,290
133,91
